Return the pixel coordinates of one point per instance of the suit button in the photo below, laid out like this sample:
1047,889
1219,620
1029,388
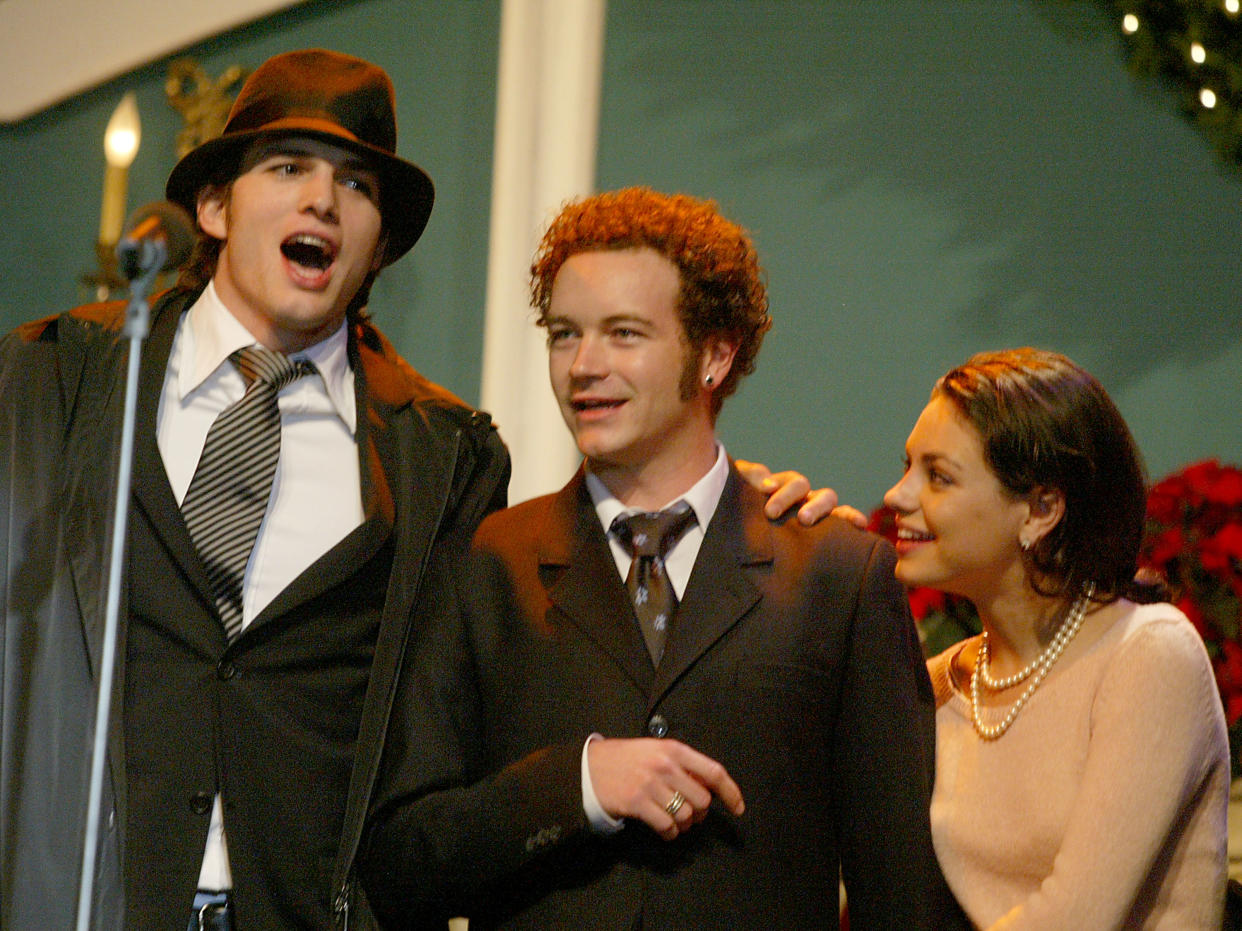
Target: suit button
657,726
200,803
225,670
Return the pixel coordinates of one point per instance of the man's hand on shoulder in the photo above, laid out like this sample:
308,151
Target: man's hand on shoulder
789,489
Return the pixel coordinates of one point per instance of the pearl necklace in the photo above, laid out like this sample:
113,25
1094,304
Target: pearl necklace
1038,668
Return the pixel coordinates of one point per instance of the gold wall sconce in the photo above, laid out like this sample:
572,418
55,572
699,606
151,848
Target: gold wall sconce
203,102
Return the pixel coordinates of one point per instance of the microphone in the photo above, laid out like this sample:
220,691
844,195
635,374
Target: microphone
158,236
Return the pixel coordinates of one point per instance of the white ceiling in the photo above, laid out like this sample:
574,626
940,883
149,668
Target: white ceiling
53,49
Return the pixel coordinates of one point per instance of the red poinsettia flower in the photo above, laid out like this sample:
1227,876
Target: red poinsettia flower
883,520
1216,483
1200,479
1229,667
1222,551
1228,489
1233,707
923,601
1194,540
1165,547
1164,501
1188,607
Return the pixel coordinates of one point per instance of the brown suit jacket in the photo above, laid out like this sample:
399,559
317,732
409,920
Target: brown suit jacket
792,660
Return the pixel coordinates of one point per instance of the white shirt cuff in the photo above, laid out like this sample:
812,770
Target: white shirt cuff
601,822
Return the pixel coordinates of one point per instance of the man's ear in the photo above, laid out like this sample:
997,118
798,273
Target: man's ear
718,353
212,212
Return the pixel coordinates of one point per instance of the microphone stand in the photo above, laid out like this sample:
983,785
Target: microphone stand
137,326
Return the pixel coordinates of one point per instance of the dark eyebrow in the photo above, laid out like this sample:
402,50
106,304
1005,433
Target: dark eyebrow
933,458
625,319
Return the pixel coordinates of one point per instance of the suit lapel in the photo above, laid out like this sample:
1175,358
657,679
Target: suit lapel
585,584
94,421
719,592
151,491
91,461
407,471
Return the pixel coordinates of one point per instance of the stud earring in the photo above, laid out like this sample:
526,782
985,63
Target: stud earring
1025,544
709,381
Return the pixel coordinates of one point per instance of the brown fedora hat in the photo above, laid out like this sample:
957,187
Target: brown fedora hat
326,95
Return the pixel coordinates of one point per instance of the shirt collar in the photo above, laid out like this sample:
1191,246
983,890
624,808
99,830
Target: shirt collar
703,496
211,334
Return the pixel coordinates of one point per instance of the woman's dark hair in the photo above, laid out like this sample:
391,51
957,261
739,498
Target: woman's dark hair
1046,423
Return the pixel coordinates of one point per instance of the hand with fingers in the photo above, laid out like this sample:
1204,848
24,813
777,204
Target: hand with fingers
663,783
788,489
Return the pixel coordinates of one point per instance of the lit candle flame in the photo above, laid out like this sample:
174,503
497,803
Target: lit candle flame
120,147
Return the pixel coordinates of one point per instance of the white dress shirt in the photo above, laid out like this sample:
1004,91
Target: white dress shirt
703,498
316,496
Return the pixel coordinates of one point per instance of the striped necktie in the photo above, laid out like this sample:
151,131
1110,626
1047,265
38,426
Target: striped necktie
648,536
228,495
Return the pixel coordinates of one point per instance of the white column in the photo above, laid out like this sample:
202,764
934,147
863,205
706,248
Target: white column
547,114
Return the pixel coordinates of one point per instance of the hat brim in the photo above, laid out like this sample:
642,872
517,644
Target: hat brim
406,192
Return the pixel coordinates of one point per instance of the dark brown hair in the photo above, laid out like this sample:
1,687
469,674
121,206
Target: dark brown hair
722,289
1046,423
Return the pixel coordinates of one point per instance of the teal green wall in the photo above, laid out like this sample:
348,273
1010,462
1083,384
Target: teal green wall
928,178
924,178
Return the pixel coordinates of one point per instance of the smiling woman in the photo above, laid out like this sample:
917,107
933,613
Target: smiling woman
1077,704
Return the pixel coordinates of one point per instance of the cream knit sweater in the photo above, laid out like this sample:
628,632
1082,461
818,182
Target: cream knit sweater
1104,805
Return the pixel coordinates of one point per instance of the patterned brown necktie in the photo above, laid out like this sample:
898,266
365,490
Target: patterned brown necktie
648,537
228,495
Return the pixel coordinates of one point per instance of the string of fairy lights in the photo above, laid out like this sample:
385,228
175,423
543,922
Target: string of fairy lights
1194,48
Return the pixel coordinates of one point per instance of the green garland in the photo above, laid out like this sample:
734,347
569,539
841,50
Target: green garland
1193,47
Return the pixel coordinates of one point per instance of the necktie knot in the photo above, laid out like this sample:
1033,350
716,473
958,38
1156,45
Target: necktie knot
271,368
652,533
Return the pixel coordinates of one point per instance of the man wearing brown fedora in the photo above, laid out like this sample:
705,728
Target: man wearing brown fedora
251,699
299,495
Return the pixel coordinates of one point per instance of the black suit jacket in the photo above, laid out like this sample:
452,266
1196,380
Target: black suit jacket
288,721
792,661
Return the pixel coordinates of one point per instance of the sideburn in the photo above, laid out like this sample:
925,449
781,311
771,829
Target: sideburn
688,383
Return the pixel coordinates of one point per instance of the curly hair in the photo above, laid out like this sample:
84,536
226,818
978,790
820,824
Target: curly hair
1045,422
722,289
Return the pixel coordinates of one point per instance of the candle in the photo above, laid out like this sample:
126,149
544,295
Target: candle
120,146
